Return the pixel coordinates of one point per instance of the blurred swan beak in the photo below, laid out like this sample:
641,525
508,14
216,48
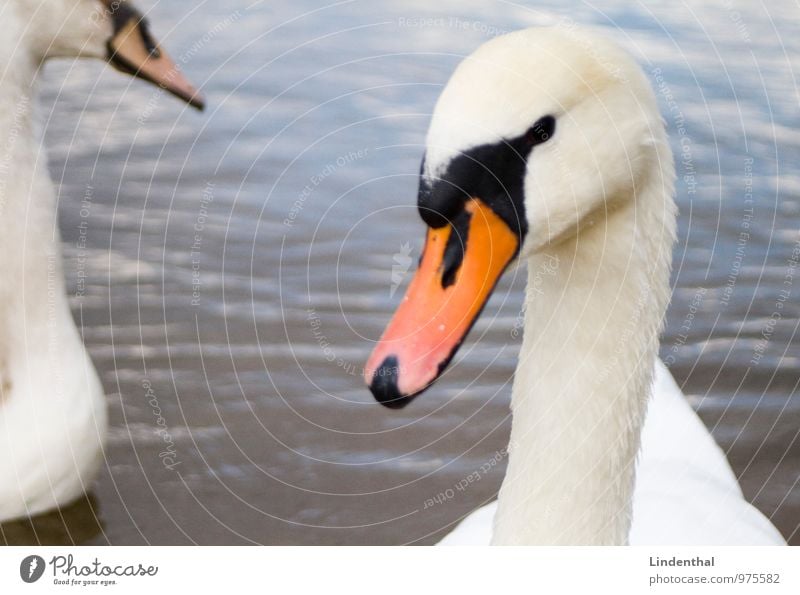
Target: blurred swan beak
134,51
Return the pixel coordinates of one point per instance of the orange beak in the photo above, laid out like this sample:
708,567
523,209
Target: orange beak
460,267
133,50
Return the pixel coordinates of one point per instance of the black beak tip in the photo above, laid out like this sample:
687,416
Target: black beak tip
384,385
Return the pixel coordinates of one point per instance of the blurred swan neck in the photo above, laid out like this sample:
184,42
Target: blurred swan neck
34,310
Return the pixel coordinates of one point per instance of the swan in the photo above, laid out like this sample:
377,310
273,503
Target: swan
546,146
52,406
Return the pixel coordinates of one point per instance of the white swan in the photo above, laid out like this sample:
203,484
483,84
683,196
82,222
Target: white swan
547,144
52,409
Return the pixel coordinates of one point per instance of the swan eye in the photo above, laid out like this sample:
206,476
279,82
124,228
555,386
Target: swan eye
541,131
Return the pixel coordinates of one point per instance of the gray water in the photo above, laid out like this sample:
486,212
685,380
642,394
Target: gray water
230,270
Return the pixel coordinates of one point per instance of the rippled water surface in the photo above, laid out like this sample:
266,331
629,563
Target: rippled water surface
239,263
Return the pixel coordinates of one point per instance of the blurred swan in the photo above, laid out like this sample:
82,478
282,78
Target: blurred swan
547,145
52,409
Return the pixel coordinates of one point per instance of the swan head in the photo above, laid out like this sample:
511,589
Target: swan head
536,134
111,30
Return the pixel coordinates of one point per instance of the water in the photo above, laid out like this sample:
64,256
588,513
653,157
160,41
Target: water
238,265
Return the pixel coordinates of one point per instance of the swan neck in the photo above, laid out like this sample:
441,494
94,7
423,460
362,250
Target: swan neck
594,309
35,318
22,160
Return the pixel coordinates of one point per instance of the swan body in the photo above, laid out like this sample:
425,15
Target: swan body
547,146
685,494
52,406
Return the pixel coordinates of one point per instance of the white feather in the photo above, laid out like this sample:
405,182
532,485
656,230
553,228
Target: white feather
686,493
